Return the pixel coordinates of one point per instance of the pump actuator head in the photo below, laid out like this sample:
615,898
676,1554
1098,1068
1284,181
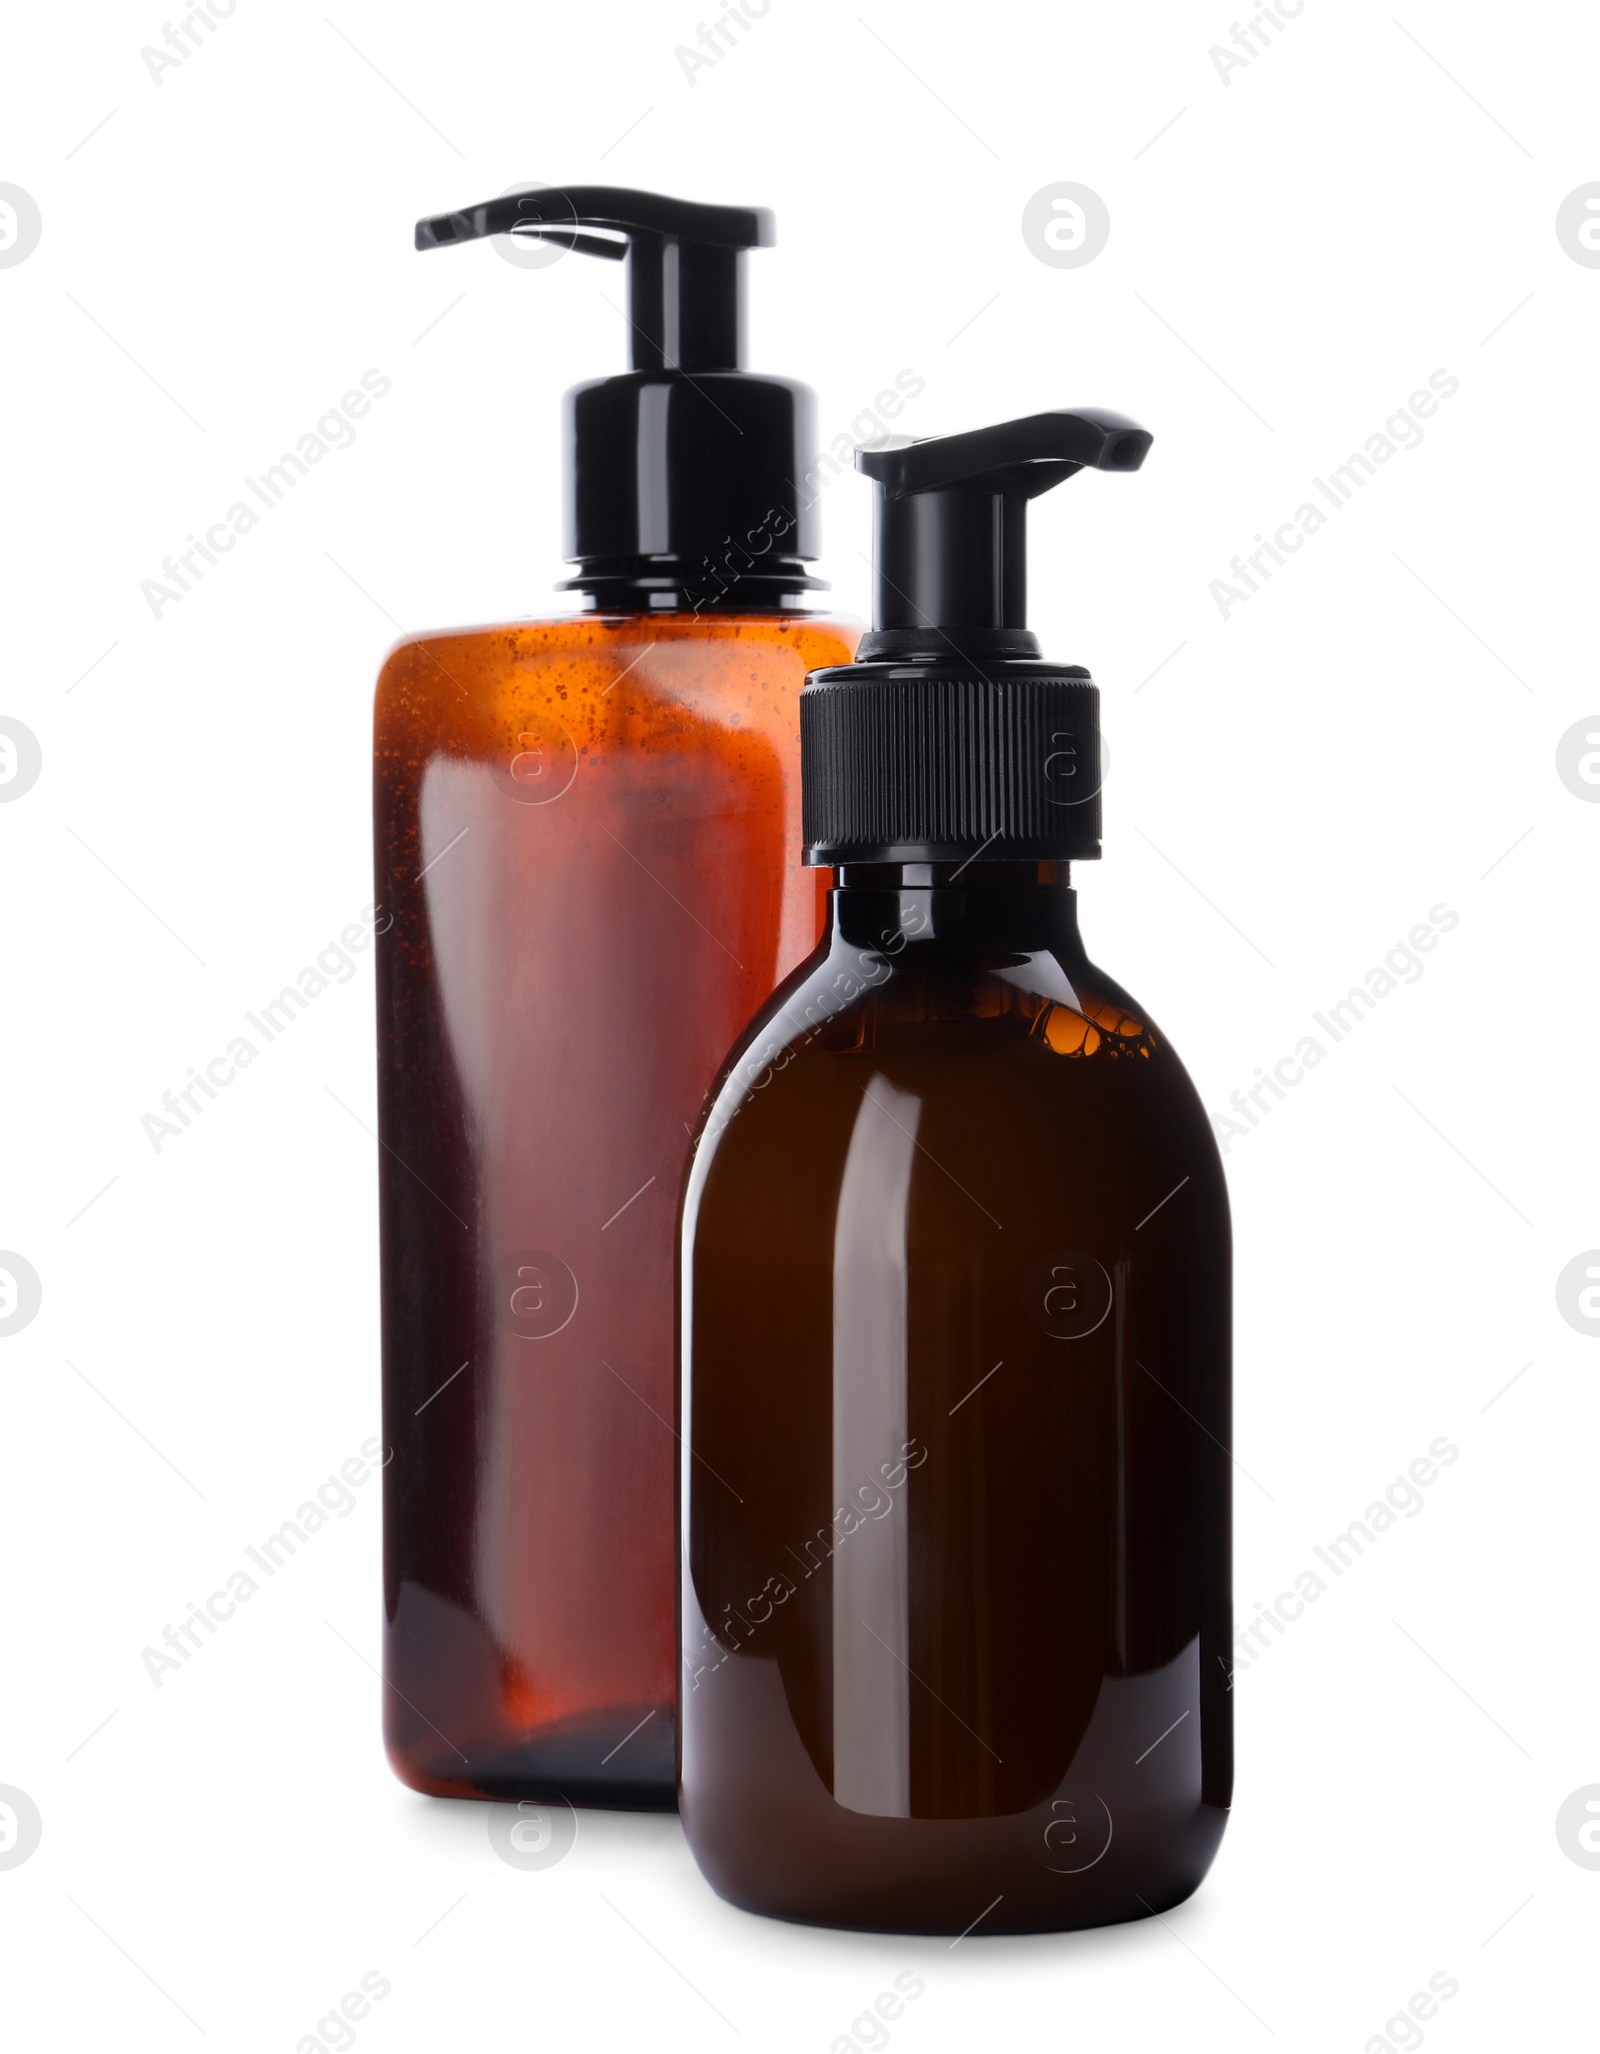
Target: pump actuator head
952,552
949,739
680,474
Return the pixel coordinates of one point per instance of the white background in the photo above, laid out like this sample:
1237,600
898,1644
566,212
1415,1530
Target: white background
1293,251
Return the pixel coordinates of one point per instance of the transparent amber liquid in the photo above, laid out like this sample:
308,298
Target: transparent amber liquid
587,842
956,1395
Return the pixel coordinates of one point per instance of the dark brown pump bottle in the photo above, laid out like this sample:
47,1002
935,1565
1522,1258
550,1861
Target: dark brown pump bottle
955,1308
587,844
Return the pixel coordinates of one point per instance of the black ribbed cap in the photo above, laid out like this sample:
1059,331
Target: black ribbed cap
949,739
903,763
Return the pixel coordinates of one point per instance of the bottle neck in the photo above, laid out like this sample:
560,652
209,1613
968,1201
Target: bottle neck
957,907
721,583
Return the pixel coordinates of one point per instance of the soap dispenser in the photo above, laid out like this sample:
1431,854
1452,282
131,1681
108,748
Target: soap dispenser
955,1307
587,854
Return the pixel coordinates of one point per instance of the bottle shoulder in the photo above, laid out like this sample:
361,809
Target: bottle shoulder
815,640
602,678
1043,1025
1034,1084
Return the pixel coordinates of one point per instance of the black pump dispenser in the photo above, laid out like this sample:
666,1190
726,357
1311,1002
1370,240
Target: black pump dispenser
950,739
681,474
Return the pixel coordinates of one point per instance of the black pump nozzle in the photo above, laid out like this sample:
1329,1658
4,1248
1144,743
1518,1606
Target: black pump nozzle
685,297
681,474
952,514
950,739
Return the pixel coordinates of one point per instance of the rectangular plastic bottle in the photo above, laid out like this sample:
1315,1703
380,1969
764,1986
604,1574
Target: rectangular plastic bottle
587,841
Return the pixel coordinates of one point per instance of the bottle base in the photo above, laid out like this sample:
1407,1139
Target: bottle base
1122,1835
564,1763
460,1721
1002,1918
513,1784
970,1901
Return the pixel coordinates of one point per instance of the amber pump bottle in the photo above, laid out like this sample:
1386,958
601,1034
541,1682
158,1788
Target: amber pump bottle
955,1308
587,847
